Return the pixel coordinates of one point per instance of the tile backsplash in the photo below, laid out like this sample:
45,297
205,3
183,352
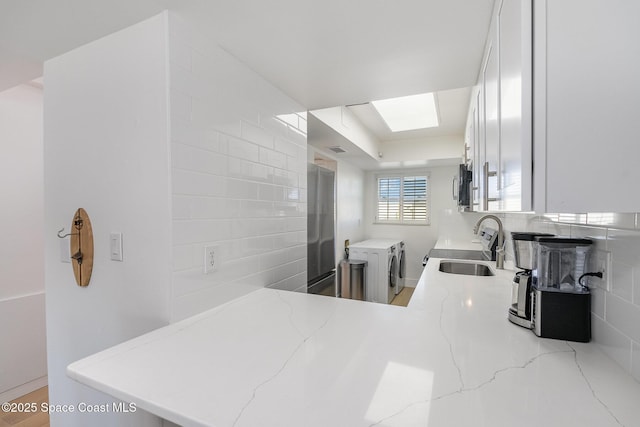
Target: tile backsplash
238,178
616,310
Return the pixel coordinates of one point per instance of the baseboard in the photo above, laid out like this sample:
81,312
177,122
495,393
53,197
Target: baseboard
23,389
410,283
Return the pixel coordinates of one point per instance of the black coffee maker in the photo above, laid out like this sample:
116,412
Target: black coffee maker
560,301
525,253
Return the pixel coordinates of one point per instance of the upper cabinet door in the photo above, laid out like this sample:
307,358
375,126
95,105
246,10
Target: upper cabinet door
473,140
514,28
587,106
475,119
491,85
502,172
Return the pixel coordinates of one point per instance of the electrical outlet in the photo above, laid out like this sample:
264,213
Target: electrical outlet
210,259
602,263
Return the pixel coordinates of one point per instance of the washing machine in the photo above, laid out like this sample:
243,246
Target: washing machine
382,268
402,267
401,261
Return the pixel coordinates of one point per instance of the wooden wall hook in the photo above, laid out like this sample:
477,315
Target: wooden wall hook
81,247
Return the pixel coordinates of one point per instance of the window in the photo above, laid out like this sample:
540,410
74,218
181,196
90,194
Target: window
402,199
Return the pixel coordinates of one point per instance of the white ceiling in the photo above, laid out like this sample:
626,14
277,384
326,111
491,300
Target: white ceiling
321,53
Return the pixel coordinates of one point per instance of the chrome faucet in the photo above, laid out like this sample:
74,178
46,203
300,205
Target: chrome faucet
500,248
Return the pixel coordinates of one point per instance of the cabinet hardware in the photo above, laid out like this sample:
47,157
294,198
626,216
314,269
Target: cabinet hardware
486,174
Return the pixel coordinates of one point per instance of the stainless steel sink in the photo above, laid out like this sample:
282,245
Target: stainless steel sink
466,268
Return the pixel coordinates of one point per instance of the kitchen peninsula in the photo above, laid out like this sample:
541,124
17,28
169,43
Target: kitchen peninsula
277,358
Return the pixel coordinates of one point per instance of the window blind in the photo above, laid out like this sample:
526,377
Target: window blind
389,199
414,198
403,199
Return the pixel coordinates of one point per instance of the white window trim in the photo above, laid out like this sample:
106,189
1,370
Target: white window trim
401,173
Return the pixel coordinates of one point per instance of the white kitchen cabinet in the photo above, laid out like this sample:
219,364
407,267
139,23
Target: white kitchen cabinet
477,195
474,142
514,170
491,89
586,106
474,139
472,146
568,102
500,111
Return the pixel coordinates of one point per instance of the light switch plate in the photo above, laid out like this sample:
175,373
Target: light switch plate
115,243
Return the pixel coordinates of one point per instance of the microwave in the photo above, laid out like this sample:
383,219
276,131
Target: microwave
462,188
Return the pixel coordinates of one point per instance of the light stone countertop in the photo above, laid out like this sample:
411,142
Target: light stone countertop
451,358
471,244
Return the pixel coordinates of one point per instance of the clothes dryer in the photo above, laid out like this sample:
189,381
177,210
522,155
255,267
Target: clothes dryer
401,267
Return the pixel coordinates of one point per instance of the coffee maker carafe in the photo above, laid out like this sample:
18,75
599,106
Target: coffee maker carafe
525,253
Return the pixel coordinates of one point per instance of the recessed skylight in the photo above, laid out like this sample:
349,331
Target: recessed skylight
408,112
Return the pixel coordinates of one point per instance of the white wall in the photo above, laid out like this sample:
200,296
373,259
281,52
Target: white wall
239,178
419,239
419,152
172,142
350,216
107,151
23,355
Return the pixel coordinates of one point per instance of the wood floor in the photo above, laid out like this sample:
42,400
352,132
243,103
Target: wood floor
28,419
403,297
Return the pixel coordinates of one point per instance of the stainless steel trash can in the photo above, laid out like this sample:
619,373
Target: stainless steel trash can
353,278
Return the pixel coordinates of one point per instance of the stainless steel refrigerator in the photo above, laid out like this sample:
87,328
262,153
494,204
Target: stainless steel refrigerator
321,273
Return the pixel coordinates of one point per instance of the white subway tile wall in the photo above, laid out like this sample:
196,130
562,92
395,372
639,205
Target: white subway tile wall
238,178
616,312
612,341
635,360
